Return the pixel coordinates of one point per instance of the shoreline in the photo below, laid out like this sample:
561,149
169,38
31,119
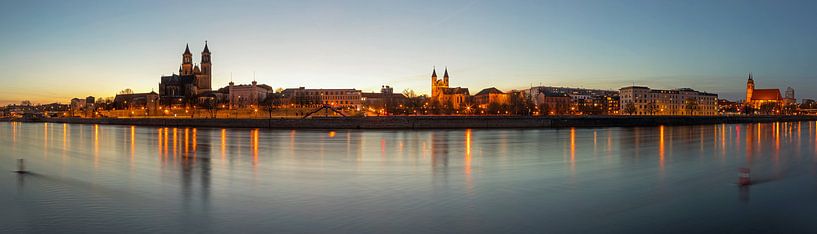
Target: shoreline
434,122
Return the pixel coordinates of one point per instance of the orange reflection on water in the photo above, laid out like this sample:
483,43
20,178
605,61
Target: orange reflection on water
223,143
195,141
331,134
573,150
254,145
159,139
96,145
64,137
186,141
45,139
468,152
175,139
661,147
132,141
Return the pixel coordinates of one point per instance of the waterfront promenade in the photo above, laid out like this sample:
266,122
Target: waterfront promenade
433,122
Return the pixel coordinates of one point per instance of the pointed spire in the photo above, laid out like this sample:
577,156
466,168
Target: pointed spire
446,72
187,49
434,72
750,76
206,49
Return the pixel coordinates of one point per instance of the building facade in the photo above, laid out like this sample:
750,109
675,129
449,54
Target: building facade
683,101
247,95
192,80
444,95
303,97
756,98
491,95
386,99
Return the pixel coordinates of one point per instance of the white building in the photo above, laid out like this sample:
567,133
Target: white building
683,101
246,95
351,98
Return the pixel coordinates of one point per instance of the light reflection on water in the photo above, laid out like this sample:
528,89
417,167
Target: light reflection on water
680,178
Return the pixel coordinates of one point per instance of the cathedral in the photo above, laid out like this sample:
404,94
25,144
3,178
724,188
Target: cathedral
443,94
757,97
192,80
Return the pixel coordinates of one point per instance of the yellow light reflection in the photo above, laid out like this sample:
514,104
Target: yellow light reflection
573,150
64,137
468,151
96,145
186,141
254,143
331,134
195,141
132,141
175,139
661,147
45,139
223,144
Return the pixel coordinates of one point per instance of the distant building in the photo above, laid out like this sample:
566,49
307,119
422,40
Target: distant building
491,95
385,99
683,101
443,94
789,99
757,97
149,102
348,98
192,80
248,94
582,101
78,104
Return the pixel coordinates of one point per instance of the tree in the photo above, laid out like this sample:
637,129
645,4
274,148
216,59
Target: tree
651,108
409,93
25,103
126,91
629,108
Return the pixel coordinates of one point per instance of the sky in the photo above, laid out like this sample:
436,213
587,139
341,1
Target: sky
52,51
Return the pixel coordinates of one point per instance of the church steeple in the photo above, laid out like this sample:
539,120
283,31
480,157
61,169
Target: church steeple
434,73
187,61
750,88
445,76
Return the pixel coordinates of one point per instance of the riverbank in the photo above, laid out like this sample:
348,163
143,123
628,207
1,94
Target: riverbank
436,122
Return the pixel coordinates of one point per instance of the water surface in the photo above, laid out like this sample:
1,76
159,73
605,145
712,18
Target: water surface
651,179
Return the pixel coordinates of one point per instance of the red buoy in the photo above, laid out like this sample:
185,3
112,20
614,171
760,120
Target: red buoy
744,179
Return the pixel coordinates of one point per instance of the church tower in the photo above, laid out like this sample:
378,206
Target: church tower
187,62
434,83
206,72
445,77
750,88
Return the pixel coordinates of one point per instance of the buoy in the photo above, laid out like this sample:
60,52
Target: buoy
744,179
21,167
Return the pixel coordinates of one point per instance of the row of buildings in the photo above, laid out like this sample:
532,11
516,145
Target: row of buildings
192,86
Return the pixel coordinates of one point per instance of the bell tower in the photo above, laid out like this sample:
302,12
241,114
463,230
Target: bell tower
750,88
206,72
187,62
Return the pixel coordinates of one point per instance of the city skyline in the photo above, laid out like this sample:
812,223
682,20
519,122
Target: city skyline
111,46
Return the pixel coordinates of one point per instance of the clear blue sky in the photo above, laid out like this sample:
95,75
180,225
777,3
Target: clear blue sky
56,50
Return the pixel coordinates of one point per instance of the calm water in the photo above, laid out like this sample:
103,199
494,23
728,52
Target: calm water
652,179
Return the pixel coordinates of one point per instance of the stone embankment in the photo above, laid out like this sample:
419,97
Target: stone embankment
436,122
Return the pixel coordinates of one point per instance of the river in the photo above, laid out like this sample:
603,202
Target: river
669,179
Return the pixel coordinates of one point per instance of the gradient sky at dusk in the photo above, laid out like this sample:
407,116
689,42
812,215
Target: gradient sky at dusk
56,50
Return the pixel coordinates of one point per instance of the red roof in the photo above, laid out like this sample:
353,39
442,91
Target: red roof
766,94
